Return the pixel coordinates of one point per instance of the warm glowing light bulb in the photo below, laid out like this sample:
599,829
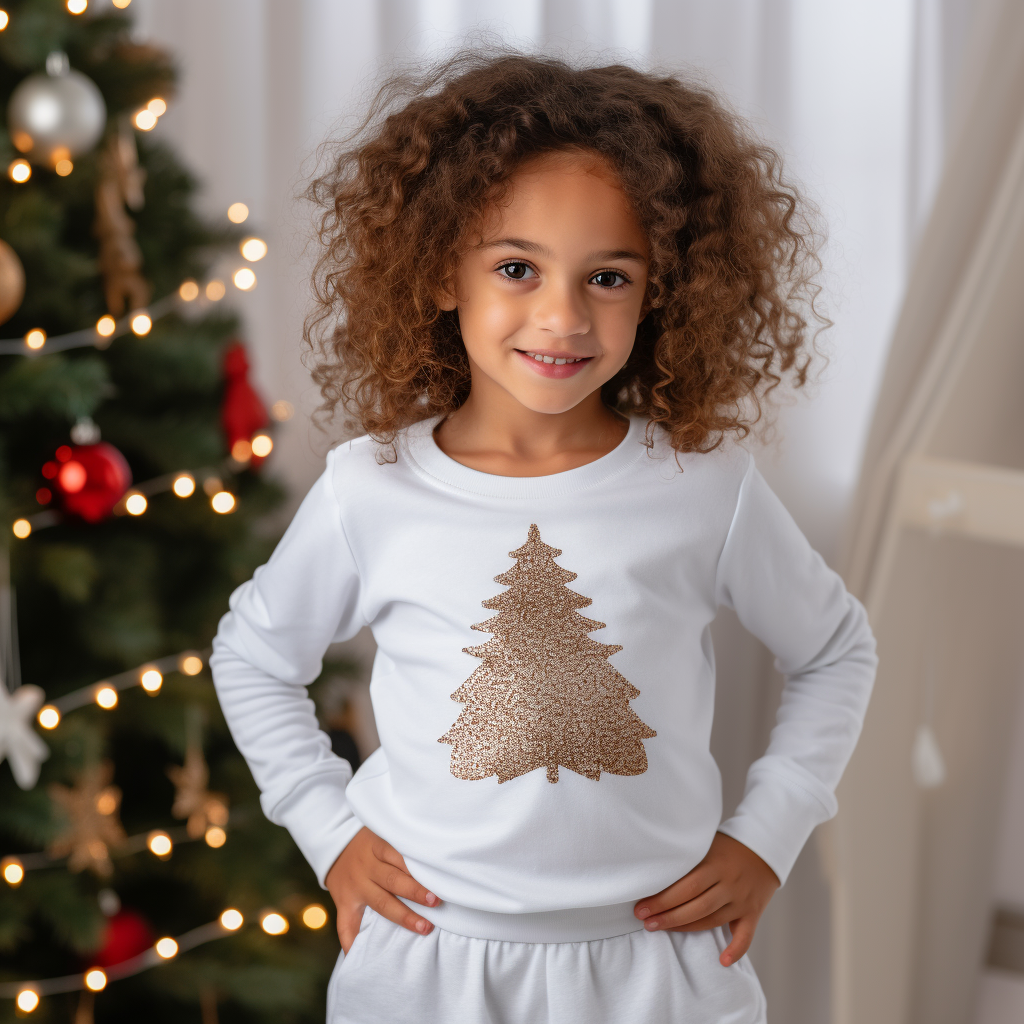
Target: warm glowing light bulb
21,528
5,19
253,249
106,802
231,919
215,837
166,947
215,290
28,999
77,6
282,410
159,843
184,485
142,324
19,171
190,664
237,213
151,680
13,871
157,106
95,980
105,326
64,167
106,697
135,504
145,120
273,923
262,445
241,450
189,290
223,502
314,916
36,338
244,279
48,717
121,4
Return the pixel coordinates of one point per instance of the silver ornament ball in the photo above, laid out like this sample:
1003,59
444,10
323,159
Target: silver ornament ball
56,115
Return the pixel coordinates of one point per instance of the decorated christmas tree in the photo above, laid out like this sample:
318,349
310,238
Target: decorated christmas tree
140,878
545,694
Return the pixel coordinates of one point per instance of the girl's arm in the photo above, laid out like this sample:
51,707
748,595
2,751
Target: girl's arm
268,647
785,594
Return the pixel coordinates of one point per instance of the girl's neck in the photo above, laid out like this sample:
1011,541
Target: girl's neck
508,439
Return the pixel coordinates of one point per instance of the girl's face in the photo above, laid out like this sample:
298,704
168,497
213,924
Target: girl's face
550,291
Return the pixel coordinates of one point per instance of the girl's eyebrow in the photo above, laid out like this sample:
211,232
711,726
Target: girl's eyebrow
516,243
618,254
542,250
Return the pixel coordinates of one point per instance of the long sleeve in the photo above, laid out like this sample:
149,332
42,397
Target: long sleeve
268,647
785,594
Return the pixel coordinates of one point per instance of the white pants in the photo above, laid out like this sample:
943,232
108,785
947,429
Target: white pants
394,976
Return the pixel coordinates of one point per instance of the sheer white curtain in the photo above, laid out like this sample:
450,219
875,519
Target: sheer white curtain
856,95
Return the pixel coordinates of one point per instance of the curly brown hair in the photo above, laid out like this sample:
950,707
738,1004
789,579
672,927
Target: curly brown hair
731,286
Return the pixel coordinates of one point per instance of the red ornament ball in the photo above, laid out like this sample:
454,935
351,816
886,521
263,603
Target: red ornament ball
128,934
90,479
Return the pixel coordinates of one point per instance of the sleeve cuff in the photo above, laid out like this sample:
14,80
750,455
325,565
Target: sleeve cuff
776,817
322,824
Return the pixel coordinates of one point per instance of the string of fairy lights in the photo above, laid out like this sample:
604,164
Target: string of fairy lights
27,995
140,321
105,694
160,843
183,484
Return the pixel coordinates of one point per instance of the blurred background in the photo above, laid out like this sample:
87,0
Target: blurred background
902,120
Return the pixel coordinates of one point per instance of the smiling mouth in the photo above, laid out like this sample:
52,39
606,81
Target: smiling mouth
557,360
553,364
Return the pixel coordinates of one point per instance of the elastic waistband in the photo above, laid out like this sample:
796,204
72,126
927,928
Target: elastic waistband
582,924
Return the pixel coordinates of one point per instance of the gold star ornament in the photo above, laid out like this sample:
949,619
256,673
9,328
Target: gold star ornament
192,800
92,826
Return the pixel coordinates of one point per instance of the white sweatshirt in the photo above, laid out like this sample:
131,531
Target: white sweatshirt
544,680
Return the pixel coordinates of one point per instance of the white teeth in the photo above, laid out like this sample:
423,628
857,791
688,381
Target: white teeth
551,359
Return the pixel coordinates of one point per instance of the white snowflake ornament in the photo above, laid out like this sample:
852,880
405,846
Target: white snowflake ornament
19,742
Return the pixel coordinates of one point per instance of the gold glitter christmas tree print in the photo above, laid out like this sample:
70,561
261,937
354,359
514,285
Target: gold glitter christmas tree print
545,694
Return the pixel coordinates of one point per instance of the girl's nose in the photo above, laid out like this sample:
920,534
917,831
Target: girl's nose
561,311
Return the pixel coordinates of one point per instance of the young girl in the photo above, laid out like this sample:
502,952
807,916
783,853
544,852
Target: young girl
553,297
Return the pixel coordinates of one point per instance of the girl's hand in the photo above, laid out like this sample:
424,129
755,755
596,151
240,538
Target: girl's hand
731,885
371,873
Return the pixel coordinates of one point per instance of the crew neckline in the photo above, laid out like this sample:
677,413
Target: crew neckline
426,457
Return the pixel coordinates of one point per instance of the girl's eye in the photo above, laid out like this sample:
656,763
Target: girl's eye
609,279
516,271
